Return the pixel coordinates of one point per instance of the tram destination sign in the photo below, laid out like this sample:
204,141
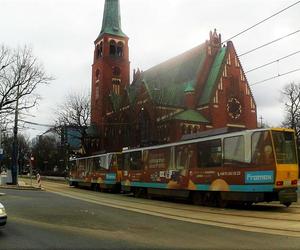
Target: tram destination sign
259,177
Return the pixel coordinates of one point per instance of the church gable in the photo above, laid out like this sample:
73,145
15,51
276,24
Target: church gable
226,98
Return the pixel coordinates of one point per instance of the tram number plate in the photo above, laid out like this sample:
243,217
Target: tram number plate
287,183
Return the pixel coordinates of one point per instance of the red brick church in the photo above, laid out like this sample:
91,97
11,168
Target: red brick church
201,89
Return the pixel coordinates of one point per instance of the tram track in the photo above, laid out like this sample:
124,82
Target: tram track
255,210
276,220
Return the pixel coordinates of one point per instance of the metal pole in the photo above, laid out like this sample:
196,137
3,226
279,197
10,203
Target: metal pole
31,160
15,165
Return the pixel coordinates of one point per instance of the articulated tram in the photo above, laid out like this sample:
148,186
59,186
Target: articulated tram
246,167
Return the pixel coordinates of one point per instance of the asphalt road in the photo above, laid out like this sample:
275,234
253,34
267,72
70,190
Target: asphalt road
42,220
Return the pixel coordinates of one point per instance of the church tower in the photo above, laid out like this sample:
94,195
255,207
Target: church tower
110,69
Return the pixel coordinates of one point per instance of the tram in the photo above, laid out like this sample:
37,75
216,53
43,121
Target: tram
246,167
99,172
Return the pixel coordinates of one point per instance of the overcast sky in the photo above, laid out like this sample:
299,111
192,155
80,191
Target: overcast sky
62,32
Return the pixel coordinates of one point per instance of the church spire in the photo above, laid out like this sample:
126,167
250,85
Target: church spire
111,23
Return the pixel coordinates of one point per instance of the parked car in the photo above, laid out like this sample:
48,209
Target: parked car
3,216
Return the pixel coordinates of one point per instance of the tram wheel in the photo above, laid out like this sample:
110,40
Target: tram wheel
287,204
140,193
221,202
197,198
210,199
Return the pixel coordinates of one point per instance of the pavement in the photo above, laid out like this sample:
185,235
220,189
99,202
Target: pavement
21,186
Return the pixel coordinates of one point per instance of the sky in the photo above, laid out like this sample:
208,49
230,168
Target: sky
61,34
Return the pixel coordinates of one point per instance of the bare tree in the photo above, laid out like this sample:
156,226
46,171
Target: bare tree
74,113
291,97
23,150
20,75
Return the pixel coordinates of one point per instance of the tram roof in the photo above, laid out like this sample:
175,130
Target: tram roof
194,140
215,134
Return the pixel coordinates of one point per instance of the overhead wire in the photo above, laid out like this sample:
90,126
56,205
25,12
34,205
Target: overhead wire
262,21
273,77
37,124
266,44
269,63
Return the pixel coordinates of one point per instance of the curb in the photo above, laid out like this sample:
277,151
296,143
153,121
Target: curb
29,188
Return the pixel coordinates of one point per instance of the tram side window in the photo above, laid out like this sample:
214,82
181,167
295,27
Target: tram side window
73,166
133,160
81,165
126,158
234,150
98,163
114,161
261,148
90,164
185,156
157,158
210,153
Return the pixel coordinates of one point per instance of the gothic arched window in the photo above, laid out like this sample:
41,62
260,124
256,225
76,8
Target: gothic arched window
97,74
112,48
189,129
97,52
120,49
101,49
183,129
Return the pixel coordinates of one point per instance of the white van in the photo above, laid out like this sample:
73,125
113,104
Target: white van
3,216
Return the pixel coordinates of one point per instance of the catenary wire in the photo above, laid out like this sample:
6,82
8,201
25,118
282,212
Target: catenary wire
269,63
273,77
36,124
266,44
260,22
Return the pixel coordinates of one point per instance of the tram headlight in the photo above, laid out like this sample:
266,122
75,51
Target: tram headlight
2,211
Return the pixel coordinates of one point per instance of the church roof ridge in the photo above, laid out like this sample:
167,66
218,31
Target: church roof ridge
175,58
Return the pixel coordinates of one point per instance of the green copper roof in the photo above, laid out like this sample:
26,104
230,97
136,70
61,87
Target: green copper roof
167,81
189,88
190,116
132,92
213,77
169,95
111,23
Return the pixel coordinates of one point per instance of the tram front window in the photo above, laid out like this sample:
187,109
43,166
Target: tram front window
285,148
262,150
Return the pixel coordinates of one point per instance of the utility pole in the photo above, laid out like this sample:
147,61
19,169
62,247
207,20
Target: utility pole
261,121
15,153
